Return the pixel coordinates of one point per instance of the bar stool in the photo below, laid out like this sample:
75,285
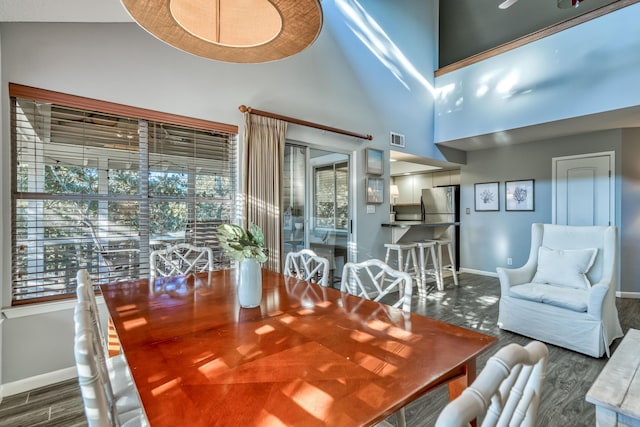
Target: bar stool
427,249
451,266
406,257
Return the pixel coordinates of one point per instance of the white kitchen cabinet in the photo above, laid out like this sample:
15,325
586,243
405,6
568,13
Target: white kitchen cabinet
422,181
455,177
410,186
441,178
405,188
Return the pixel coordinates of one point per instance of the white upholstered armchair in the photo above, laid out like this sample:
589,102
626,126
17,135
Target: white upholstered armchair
565,293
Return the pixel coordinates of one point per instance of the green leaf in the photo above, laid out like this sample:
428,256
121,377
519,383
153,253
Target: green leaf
239,244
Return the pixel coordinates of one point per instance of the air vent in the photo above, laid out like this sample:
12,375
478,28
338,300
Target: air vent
397,139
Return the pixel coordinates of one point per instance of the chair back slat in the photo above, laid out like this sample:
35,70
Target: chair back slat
93,376
85,293
375,280
506,392
180,259
307,266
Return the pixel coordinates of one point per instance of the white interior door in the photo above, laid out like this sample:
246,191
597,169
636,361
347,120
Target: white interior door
583,189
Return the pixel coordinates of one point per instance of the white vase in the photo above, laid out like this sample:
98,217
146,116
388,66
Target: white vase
250,283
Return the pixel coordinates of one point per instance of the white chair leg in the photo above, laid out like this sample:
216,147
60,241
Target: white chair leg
453,264
422,285
436,268
439,270
416,272
401,419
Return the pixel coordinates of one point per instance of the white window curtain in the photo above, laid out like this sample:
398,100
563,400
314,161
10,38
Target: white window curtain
264,140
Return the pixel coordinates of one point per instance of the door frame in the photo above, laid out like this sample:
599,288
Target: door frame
612,183
351,158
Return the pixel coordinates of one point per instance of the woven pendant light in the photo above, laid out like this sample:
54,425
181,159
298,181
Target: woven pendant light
242,31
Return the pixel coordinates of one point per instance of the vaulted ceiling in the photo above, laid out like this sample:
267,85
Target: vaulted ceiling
468,27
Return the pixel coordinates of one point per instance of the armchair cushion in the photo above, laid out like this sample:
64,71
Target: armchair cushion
565,267
563,297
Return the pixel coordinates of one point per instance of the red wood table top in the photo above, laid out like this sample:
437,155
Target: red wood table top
308,356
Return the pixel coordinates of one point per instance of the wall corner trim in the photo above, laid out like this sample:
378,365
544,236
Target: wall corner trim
478,272
37,381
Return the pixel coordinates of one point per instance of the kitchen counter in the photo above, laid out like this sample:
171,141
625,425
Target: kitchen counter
414,231
406,224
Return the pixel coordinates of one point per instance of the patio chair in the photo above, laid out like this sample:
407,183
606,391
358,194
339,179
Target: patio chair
121,262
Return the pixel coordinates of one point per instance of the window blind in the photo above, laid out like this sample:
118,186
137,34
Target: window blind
331,207
97,190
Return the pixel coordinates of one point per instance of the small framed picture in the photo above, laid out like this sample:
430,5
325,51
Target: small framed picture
373,161
487,197
519,195
375,190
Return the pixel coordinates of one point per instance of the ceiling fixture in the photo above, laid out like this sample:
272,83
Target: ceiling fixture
566,4
562,4
241,31
505,4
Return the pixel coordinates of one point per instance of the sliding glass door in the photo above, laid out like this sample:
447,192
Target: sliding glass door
294,198
316,204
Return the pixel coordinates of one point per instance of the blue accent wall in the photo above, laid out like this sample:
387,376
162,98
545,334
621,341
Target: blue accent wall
590,68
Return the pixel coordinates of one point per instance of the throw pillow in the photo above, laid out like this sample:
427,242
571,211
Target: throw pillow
564,267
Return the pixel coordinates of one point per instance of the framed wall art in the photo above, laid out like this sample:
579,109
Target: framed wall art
373,161
375,190
519,195
486,196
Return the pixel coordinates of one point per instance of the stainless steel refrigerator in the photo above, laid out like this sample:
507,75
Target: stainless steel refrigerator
442,205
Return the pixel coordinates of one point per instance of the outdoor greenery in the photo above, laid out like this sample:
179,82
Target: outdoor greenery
100,191
331,192
169,203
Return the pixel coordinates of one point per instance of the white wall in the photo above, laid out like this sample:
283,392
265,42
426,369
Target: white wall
5,216
589,68
383,84
629,212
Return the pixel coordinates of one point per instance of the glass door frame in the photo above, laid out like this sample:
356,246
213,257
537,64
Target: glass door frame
309,193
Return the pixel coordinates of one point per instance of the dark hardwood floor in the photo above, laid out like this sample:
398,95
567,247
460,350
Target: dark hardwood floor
473,305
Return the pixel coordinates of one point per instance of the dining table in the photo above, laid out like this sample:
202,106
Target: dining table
308,356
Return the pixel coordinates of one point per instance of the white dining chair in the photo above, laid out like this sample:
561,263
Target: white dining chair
375,280
85,293
180,259
103,407
308,266
117,366
506,392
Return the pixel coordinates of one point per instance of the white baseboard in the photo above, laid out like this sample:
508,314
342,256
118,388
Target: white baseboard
42,380
635,295
478,272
